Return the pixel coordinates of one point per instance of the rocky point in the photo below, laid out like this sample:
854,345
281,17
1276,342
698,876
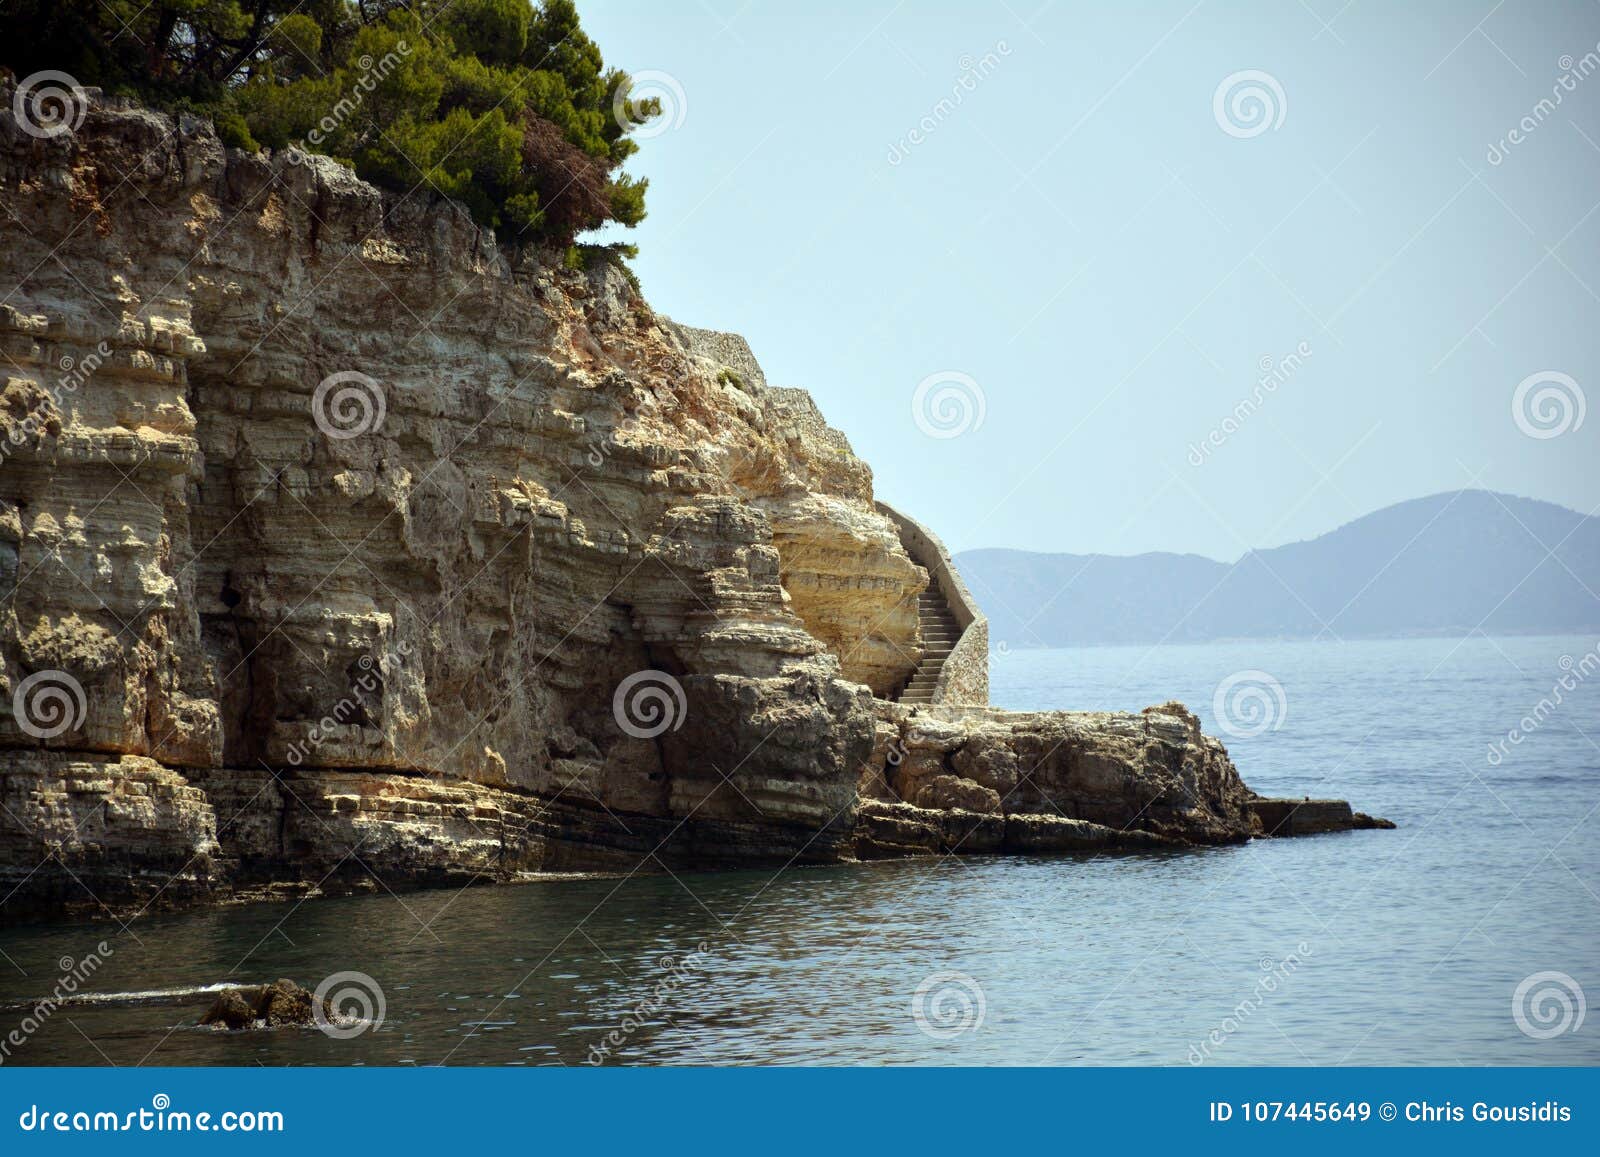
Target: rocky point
343,547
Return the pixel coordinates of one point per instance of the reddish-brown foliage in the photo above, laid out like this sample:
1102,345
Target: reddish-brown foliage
571,184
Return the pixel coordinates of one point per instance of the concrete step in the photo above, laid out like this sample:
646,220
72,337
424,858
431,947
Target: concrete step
940,632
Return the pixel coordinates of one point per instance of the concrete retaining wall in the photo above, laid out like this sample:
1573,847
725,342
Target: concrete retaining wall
964,678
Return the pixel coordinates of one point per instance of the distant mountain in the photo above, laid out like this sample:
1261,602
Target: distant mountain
1446,564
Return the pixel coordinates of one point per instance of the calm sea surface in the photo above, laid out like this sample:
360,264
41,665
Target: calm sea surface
1401,947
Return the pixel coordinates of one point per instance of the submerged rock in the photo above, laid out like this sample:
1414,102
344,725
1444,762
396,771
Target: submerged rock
281,1004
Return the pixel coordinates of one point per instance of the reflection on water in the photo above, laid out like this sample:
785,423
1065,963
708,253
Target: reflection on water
1406,946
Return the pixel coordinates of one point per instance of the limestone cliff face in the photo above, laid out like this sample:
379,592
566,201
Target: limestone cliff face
340,547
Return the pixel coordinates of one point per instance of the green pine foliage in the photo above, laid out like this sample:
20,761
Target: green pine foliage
503,105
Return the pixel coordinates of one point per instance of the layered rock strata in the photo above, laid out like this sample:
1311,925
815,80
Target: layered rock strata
341,547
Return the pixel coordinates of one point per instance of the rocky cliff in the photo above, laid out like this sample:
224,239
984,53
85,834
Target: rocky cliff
341,547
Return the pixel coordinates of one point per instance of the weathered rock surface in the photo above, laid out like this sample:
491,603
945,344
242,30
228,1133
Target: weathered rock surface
1310,817
1062,781
281,1004
334,540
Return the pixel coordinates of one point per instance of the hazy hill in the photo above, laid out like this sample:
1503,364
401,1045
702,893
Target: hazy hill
1449,563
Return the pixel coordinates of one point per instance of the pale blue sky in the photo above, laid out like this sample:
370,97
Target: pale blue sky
1083,239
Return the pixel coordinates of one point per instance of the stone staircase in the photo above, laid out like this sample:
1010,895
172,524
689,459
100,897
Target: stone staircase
940,631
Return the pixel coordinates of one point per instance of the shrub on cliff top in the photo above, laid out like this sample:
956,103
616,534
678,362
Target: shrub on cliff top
502,105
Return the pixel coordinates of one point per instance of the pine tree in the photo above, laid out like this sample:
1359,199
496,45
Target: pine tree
503,105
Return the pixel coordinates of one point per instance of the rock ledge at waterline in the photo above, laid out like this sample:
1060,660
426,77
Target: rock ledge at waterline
244,654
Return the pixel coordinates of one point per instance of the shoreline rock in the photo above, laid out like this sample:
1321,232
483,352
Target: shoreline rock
296,655
281,1004
1310,817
